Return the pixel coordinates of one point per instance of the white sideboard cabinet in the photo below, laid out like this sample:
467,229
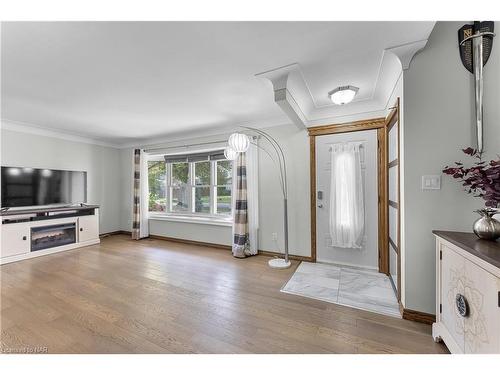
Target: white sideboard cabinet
468,293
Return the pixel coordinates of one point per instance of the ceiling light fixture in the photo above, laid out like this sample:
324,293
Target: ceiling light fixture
343,94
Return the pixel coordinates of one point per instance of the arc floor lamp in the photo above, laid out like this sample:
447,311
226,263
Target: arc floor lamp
240,142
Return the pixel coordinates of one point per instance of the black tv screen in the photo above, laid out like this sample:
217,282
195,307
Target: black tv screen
23,187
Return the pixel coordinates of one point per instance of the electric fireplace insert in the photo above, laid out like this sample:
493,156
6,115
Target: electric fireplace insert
52,236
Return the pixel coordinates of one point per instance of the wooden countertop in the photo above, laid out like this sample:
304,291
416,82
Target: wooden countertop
489,251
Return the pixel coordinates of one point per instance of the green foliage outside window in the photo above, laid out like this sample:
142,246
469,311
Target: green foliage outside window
156,182
204,191
180,173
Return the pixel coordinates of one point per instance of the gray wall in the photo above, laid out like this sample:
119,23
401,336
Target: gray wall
296,147
438,112
295,144
101,164
438,122
209,233
190,231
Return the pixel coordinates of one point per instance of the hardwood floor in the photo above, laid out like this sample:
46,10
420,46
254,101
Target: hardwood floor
154,296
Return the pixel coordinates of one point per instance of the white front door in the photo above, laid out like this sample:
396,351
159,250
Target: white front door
367,255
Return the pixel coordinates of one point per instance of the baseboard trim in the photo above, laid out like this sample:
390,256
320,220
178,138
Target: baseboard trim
190,242
114,233
293,257
417,316
209,244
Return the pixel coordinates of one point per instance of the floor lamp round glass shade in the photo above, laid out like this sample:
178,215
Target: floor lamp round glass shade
230,154
239,142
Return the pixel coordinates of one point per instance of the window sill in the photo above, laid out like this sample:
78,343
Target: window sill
192,220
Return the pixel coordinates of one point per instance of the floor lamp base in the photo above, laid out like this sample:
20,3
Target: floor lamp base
279,263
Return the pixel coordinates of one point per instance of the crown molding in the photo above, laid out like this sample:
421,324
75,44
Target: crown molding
28,128
292,92
293,95
292,103
214,131
406,52
279,78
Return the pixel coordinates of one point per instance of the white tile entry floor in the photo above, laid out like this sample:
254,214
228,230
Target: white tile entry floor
362,289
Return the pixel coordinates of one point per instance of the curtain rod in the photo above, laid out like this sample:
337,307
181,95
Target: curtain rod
189,145
361,143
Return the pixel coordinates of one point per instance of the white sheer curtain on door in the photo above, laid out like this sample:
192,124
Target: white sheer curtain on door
347,210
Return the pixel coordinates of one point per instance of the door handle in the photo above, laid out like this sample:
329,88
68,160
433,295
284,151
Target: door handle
320,205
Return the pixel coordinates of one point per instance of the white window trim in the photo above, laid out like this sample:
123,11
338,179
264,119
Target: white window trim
192,219
190,216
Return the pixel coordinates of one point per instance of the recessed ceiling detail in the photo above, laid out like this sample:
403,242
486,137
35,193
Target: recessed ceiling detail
293,95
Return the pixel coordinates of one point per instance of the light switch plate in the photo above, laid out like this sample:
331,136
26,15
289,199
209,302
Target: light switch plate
431,182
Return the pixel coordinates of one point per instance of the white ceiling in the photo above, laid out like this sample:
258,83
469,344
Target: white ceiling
124,82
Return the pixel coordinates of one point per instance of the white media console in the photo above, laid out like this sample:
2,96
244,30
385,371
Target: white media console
36,232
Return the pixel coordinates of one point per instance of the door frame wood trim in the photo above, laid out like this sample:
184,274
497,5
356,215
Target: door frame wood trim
378,124
392,119
312,181
346,127
383,198
398,109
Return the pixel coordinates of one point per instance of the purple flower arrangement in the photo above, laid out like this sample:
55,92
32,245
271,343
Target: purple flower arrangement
482,179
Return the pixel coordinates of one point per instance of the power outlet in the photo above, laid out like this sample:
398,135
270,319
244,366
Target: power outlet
275,236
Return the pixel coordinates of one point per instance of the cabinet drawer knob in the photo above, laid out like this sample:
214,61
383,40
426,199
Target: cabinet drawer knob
24,238
462,305
81,229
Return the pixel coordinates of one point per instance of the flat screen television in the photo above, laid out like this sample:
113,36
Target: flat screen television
27,187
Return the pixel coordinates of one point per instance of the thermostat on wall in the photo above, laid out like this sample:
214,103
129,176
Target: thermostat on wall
431,182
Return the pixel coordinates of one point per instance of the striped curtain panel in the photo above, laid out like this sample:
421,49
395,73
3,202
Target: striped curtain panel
140,227
136,219
241,245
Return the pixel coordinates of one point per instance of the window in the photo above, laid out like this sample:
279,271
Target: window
191,185
157,188
224,178
201,187
179,188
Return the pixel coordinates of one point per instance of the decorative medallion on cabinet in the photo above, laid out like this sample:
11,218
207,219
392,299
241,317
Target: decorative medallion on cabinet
468,292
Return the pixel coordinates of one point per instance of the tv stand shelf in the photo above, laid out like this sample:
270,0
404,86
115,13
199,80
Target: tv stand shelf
11,212
66,228
19,216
